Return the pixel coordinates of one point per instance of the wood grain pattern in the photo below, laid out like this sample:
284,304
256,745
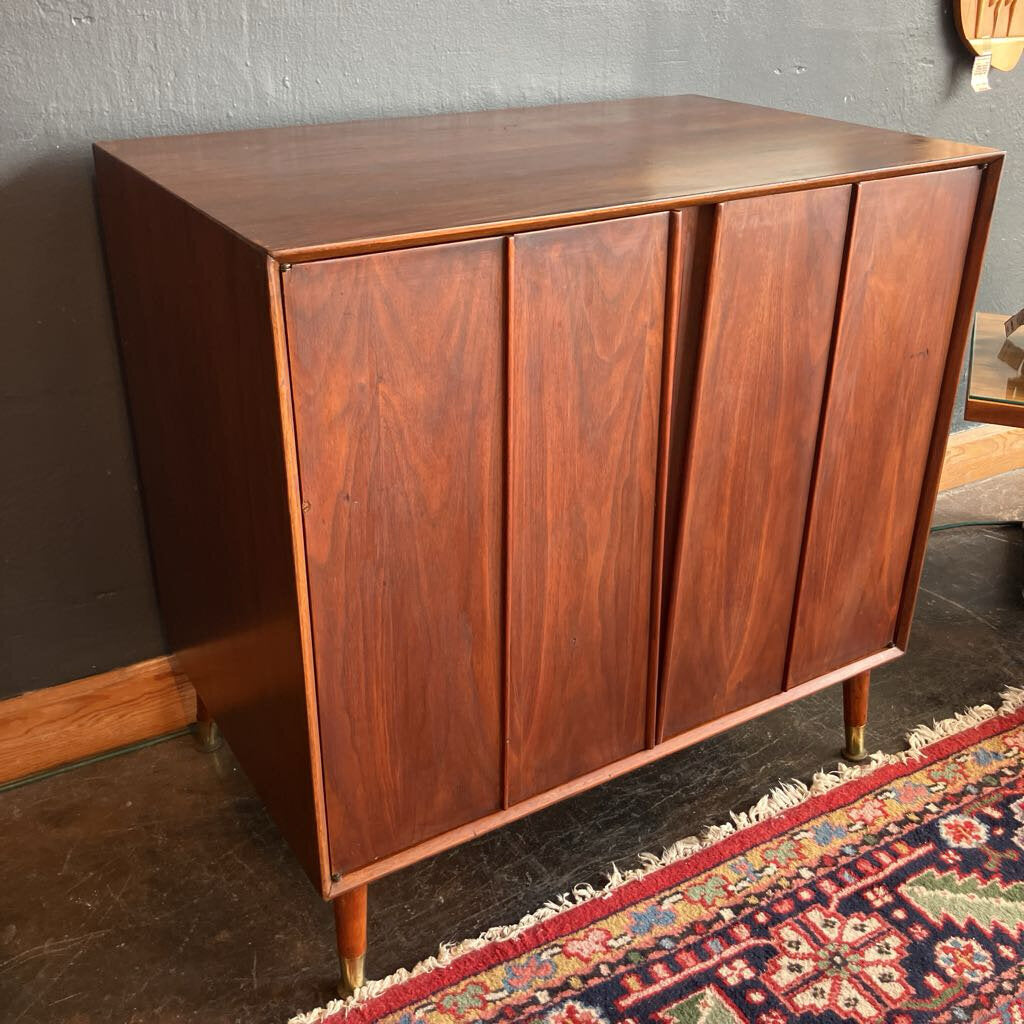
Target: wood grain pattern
992,26
59,724
286,412
397,366
582,783
588,306
324,190
981,452
856,694
906,259
350,923
681,227
764,352
978,410
696,237
193,308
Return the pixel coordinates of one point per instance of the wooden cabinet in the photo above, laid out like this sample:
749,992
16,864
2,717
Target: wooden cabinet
488,456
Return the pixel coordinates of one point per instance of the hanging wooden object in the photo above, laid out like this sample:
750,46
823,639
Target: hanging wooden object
995,27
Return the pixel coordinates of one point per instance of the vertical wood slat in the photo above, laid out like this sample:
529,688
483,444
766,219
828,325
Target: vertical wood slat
680,222
830,370
696,230
906,256
764,348
506,523
396,362
586,343
984,206
275,290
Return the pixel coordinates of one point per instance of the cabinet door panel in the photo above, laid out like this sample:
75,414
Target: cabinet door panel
907,250
760,374
397,362
587,320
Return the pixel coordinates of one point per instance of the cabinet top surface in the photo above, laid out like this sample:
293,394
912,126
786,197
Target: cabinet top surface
319,190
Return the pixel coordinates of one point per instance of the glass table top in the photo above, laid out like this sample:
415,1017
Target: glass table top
995,381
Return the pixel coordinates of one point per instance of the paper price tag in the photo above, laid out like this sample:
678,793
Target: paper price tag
1014,322
979,75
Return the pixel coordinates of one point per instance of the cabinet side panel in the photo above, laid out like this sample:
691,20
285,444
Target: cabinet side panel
193,312
768,322
587,308
397,364
906,259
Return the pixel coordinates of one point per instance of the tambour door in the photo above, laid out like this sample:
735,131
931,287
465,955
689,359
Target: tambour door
907,249
397,364
756,402
587,308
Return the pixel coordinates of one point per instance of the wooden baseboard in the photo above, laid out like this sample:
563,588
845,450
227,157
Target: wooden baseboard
60,724
981,452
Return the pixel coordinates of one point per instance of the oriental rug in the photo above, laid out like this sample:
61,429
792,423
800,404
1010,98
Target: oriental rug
889,892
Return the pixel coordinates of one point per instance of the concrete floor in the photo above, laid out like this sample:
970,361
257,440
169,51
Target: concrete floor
153,888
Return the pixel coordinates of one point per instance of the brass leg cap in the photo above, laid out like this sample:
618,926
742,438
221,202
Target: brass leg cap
855,743
208,736
353,975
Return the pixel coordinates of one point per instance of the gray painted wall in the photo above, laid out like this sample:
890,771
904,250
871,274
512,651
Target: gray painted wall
75,593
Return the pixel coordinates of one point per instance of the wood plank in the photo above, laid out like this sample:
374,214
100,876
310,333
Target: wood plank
696,230
298,539
194,314
588,306
397,376
763,356
906,258
981,452
309,192
1003,413
60,724
681,230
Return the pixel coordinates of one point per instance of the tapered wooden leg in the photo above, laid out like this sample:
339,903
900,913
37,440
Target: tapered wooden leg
350,926
855,714
207,734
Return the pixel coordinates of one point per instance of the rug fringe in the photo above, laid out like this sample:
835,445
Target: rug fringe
782,798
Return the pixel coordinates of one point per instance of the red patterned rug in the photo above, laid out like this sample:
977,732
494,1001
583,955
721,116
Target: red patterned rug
892,892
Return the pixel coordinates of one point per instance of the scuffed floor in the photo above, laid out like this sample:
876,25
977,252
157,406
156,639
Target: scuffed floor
153,888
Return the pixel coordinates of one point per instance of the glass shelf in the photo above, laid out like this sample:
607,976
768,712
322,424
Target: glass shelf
995,380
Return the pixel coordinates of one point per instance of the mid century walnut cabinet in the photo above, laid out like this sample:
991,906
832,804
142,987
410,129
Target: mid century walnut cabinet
488,456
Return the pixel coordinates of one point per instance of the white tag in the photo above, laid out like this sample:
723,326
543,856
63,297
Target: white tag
979,75
1014,322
